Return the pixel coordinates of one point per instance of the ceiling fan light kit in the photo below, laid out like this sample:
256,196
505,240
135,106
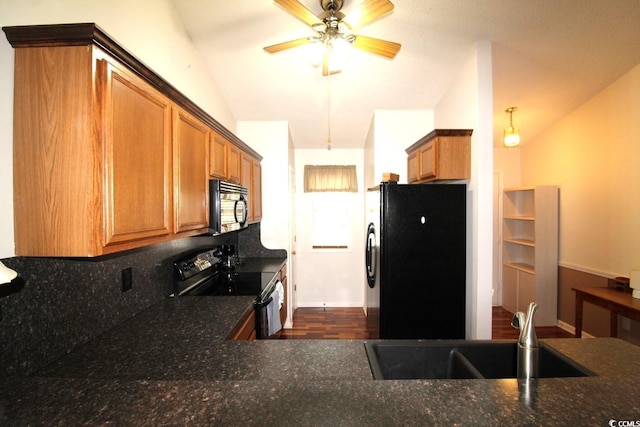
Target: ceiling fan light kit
333,31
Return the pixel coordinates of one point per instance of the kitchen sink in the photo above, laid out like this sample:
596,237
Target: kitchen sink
459,359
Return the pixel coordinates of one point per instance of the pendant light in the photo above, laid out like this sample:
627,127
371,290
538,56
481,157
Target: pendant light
511,134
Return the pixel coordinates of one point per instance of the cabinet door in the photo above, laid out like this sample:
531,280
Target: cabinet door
246,329
233,164
217,157
137,121
428,160
191,149
256,181
526,290
246,168
510,289
412,167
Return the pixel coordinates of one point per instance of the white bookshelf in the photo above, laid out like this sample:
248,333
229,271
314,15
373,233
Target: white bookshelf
530,251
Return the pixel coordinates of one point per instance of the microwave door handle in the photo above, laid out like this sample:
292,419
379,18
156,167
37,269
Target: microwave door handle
245,210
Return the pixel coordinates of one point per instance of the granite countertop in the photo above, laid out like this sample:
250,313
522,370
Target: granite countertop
171,365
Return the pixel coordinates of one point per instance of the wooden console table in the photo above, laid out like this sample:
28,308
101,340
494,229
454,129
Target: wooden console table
614,300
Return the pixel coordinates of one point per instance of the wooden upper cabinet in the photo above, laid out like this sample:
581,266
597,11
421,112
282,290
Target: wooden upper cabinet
412,167
246,170
53,174
137,142
256,183
251,177
218,147
191,181
225,159
428,160
234,160
443,154
108,156
92,143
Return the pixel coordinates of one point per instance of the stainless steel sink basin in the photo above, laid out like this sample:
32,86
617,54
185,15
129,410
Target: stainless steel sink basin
459,359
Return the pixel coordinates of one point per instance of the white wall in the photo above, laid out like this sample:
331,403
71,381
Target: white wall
468,103
369,156
394,132
391,132
331,278
150,29
271,141
593,156
506,161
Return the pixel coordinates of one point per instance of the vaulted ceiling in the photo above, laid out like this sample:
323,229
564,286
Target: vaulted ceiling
549,56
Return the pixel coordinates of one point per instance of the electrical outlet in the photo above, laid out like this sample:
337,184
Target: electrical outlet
127,279
626,323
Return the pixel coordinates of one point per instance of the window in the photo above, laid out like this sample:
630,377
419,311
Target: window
332,188
330,220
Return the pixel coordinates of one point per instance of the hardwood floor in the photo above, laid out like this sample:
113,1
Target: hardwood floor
350,323
501,327
330,323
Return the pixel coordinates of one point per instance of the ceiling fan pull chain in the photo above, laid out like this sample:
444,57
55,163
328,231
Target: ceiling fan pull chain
329,112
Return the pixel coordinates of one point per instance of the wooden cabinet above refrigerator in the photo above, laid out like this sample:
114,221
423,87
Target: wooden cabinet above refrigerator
442,155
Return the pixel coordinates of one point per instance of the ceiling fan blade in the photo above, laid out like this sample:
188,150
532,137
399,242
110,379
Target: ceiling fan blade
300,11
367,12
286,45
377,46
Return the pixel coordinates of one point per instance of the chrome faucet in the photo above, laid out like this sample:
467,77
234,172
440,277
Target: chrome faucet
527,343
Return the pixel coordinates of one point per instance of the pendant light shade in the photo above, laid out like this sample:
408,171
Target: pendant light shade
511,134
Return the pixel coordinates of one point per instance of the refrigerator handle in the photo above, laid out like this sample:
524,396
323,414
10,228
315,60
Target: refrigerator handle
370,254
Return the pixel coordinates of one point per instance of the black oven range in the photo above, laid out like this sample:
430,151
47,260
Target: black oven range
207,274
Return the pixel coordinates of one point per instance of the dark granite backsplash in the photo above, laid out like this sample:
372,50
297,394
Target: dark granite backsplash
65,302
250,245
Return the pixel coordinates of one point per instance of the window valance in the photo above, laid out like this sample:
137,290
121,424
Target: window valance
325,178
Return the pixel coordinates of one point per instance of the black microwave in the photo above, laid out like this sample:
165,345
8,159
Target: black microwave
228,206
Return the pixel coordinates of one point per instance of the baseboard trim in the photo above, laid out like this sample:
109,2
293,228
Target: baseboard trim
335,304
572,330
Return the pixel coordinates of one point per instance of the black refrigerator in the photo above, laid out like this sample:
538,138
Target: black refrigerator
415,261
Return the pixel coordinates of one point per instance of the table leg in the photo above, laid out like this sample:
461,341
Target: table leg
578,320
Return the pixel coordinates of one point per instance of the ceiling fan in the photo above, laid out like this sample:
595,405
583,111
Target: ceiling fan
333,27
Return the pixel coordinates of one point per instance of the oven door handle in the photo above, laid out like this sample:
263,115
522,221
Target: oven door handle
194,285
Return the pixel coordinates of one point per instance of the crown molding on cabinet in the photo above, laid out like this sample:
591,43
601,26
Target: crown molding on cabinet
89,33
